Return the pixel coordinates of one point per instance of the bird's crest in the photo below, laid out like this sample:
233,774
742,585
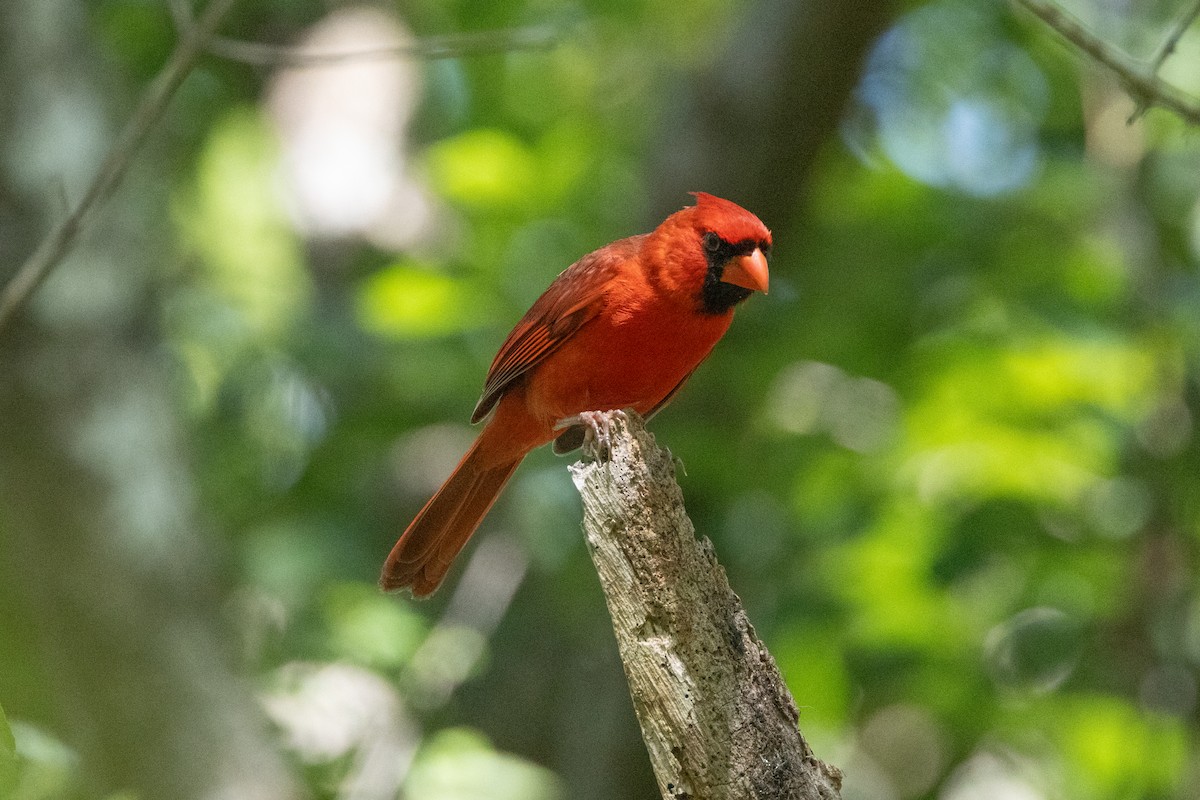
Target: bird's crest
727,219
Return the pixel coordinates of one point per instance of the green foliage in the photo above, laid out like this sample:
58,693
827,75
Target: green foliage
36,766
410,301
950,462
459,764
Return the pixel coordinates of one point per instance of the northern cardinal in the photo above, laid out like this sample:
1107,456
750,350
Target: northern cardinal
623,327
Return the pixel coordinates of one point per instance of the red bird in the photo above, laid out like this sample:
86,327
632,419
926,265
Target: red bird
623,327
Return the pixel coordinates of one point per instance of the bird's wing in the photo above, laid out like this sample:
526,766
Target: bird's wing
576,296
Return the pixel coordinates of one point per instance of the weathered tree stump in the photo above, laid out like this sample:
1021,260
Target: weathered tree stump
715,714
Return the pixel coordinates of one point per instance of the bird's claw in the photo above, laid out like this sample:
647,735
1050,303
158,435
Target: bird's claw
597,436
597,431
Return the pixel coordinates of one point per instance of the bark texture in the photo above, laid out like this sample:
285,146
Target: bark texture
716,716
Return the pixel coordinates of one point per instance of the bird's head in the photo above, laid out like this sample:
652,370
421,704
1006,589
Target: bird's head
720,252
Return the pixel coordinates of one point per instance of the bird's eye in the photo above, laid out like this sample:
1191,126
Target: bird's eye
712,242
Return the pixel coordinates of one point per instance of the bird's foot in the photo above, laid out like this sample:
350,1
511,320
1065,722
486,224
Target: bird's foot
597,431
597,434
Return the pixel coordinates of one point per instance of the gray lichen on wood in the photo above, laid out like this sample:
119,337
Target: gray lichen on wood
716,716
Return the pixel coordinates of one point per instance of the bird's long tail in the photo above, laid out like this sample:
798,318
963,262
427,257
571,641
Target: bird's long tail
426,549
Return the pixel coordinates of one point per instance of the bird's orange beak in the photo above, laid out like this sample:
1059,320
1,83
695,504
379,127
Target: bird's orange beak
749,272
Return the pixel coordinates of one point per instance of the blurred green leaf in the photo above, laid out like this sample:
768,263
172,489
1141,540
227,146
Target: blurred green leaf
370,628
460,764
1031,421
48,769
950,462
1118,750
234,218
484,169
814,667
409,300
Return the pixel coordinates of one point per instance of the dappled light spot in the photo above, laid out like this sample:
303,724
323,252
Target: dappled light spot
799,394
490,172
369,628
864,779
38,759
460,764
862,414
411,300
953,104
1111,743
1001,462
993,776
286,415
327,709
1117,507
341,129
809,397
1033,419
1036,650
234,218
483,168
1113,138
906,742
444,660
337,711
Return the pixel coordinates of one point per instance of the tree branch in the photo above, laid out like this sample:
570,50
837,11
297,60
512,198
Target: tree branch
717,719
1142,82
1172,41
154,102
453,45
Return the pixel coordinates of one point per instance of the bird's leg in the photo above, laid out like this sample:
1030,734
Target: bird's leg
597,431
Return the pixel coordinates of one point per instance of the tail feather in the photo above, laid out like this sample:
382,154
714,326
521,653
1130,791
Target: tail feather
426,549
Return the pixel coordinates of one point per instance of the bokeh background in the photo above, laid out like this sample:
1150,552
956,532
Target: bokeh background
950,462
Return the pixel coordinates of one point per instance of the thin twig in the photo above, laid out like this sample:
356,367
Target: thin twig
1141,82
538,37
112,171
1172,41
455,45
1166,49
